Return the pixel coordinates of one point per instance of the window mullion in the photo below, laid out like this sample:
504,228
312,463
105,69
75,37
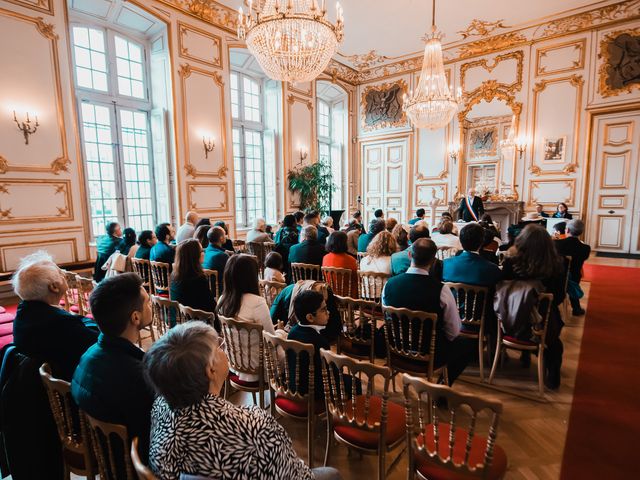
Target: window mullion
119,162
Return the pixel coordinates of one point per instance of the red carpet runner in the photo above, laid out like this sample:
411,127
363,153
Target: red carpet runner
604,426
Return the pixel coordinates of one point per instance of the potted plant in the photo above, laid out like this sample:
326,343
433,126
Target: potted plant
313,183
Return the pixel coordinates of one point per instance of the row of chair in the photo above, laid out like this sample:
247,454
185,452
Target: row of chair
76,298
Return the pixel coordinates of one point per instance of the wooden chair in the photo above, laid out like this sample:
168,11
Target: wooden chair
143,268
161,278
72,428
446,252
370,285
142,471
110,444
358,326
285,382
214,282
165,314
410,337
305,271
446,449
360,256
566,304
539,324
367,422
71,301
239,246
472,302
339,279
187,314
85,286
260,250
245,350
270,290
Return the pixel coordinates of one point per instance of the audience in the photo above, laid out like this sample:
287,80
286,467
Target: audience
376,226
313,218
215,257
189,284
379,251
487,222
338,257
188,228
197,432
419,216
257,234
109,383
299,217
146,240
41,329
353,231
401,236
401,261
201,233
309,250
490,246
162,251
127,245
228,243
390,224
379,214
445,237
579,252
559,231
562,211
105,247
401,290
274,268
286,237
327,222
446,216
357,217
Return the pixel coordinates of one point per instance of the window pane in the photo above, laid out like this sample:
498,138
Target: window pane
90,59
129,68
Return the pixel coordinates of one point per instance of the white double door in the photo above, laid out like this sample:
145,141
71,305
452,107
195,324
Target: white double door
614,189
384,178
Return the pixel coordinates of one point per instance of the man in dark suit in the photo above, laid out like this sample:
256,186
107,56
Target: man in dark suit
309,250
471,208
313,218
376,226
579,252
401,291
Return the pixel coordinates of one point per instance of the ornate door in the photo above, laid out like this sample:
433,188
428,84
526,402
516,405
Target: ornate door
614,218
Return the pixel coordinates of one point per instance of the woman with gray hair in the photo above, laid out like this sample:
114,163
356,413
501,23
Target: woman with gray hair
42,330
196,432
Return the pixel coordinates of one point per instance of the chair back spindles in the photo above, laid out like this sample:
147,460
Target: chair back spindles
305,271
371,284
114,463
339,279
166,313
142,267
161,277
358,326
143,472
71,295
214,282
260,250
85,286
446,252
188,314
270,290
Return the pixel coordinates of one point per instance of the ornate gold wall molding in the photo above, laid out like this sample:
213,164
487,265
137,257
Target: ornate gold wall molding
444,173
290,154
72,242
481,28
307,93
445,190
489,90
212,12
61,188
185,71
568,183
577,82
578,64
192,205
366,60
491,44
490,65
61,163
183,32
604,88
43,6
588,20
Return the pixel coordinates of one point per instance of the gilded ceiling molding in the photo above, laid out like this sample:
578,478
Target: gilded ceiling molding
489,65
337,70
489,90
366,60
482,28
491,44
604,72
209,11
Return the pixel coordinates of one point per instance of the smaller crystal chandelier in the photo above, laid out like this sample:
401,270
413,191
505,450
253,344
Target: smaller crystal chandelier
292,40
433,104
510,141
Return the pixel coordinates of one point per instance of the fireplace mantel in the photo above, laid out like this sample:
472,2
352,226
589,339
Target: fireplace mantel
502,213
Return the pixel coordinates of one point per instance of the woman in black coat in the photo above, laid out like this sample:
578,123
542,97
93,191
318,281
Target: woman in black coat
189,284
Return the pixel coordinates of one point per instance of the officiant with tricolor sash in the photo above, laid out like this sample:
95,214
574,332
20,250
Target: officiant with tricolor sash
471,208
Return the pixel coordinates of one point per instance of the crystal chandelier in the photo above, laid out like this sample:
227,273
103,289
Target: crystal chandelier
433,104
292,40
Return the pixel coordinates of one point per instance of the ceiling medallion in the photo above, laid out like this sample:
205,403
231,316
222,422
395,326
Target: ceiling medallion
292,40
433,104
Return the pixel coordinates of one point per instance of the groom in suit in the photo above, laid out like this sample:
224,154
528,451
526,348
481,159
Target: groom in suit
471,208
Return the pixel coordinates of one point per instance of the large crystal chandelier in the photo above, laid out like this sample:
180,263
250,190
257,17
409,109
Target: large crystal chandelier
433,104
292,40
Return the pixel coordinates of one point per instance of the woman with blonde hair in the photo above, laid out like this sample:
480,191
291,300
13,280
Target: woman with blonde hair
379,253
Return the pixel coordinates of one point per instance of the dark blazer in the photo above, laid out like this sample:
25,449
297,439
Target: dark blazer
578,251
307,252
566,215
110,386
472,269
193,292
464,212
161,252
50,334
310,336
323,234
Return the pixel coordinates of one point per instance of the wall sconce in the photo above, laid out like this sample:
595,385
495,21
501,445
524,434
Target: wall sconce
303,155
521,146
454,151
208,146
26,127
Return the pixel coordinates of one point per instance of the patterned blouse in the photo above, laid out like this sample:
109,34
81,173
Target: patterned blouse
219,440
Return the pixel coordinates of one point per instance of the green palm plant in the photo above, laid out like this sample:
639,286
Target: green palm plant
314,184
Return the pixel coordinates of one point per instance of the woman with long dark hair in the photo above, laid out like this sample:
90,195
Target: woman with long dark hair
128,242
535,258
285,238
241,299
189,284
200,234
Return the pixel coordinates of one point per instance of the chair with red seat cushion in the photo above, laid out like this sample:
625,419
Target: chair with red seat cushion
288,399
436,452
537,345
85,287
370,424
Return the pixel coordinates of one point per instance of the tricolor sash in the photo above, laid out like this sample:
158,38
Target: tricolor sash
470,208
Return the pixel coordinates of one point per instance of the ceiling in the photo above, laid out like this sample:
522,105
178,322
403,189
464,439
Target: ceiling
394,28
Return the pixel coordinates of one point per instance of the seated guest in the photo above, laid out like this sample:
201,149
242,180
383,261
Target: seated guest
540,211
487,222
309,250
327,222
401,236
379,251
189,284
445,217
376,226
419,216
390,224
109,383
257,234
41,329
215,257
378,214
338,257
241,300
105,247
313,218
579,253
299,217
146,240
196,432
445,237
490,246
357,217
203,221
188,228
228,243
273,268
401,291
163,251
285,238
128,245
288,226
353,231
562,211
559,231
535,258
401,261
201,235
269,231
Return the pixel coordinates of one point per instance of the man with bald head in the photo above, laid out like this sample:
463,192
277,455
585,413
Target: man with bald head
471,207
188,227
